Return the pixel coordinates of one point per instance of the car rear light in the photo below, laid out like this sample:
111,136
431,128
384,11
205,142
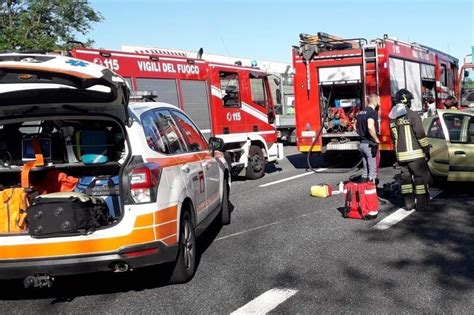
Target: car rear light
139,253
144,182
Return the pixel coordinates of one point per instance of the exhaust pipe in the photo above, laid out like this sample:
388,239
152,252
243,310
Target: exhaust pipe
38,281
120,267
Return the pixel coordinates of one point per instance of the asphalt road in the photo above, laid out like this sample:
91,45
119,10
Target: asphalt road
291,253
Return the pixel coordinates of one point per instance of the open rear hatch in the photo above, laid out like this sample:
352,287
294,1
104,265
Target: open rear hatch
41,83
62,146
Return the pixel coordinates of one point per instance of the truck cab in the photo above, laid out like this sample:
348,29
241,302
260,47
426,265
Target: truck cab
466,83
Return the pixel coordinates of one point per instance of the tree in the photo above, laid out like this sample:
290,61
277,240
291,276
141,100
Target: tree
44,24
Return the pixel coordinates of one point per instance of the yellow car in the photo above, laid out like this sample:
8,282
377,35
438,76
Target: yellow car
451,134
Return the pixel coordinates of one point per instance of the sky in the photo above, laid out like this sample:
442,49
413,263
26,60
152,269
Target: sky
266,30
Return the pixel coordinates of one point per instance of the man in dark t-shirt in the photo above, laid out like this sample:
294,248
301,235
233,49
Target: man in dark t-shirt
367,128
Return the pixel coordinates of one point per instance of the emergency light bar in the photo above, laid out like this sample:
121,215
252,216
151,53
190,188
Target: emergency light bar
144,96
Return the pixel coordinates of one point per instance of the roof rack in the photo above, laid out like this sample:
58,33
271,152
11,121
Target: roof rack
314,44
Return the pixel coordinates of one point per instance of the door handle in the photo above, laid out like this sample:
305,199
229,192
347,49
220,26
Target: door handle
462,153
206,165
185,168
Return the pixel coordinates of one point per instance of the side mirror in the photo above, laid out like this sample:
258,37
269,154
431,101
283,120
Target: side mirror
216,144
278,96
466,73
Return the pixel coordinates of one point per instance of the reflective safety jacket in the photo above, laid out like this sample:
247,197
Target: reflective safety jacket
408,135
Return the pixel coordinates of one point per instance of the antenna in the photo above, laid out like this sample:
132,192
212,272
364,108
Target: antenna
225,48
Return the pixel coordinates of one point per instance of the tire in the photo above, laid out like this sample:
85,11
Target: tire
256,166
225,206
185,266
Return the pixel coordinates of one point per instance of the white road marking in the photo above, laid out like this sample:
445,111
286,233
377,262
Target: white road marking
393,219
266,302
398,216
292,177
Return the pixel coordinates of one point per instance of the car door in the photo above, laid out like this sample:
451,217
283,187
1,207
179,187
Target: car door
188,162
459,127
198,144
439,162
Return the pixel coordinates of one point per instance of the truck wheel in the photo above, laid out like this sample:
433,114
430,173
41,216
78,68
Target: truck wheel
256,165
185,266
225,207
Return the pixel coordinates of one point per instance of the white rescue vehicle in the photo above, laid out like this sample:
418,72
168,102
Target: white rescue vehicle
169,184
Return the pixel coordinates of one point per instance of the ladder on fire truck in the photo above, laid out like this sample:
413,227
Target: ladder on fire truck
370,68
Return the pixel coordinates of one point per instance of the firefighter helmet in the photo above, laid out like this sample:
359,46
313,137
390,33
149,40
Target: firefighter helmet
403,96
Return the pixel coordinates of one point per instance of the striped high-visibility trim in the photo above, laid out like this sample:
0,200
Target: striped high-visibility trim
408,156
420,189
424,142
407,189
160,225
409,139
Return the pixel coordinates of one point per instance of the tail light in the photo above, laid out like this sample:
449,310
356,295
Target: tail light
144,182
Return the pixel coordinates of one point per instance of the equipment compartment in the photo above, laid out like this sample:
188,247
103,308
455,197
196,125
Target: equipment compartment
82,155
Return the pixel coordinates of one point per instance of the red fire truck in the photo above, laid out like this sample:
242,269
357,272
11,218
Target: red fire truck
227,101
334,76
466,85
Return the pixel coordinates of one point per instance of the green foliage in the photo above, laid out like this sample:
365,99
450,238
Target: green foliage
44,24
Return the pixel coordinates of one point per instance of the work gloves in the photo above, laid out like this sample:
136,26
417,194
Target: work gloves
426,151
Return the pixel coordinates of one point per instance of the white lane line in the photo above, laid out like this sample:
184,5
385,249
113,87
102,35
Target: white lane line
270,224
393,219
266,302
292,177
398,216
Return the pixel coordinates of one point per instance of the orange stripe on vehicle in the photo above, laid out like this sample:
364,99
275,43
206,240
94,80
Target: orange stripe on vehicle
179,160
166,215
69,248
171,240
144,220
48,69
165,230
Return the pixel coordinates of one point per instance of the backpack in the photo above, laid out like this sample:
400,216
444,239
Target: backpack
361,201
13,205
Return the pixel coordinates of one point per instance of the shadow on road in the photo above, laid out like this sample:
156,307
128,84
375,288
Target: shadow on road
446,235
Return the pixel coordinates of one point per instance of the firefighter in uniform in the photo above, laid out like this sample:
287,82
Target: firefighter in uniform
412,150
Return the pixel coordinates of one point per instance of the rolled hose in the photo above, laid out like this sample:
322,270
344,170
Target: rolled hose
308,156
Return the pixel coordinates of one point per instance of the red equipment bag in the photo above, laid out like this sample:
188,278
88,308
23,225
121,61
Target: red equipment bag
361,201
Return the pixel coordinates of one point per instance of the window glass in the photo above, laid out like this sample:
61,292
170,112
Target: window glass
194,138
161,132
230,89
468,78
166,89
153,138
471,130
258,90
435,130
169,131
457,125
450,78
443,75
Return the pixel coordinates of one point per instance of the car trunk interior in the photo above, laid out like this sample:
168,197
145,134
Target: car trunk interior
81,154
